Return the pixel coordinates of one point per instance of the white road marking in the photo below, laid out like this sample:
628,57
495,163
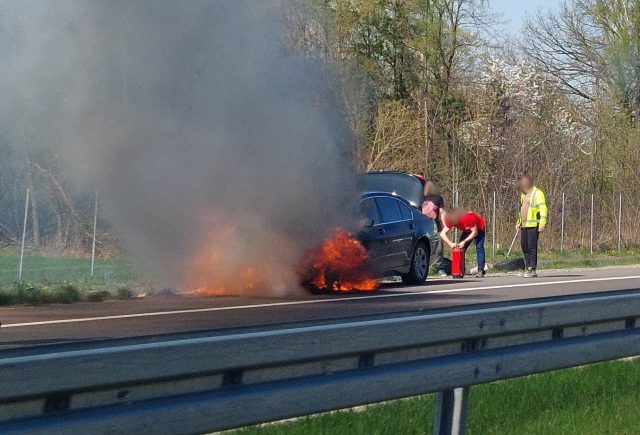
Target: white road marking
316,301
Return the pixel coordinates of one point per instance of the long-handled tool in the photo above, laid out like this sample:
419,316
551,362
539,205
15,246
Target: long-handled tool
512,243
511,265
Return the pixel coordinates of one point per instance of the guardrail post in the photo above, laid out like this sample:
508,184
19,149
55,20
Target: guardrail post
451,412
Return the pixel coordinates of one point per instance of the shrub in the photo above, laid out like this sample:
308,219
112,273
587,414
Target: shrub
28,293
6,298
67,293
98,296
124,293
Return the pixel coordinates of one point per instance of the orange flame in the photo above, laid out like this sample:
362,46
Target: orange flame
338,264
233,262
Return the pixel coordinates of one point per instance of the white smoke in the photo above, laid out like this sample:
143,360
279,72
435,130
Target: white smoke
187,116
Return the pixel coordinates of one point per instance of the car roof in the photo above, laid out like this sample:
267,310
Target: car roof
388,172
419,177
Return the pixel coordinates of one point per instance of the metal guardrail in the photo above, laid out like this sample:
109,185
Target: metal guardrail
217,382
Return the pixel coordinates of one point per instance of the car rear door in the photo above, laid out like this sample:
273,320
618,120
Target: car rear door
409,228
372,237
398,239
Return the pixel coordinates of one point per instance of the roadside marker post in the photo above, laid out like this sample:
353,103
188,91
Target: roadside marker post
456,198
562,224
592,214
493,229
24,234
93,244
620,224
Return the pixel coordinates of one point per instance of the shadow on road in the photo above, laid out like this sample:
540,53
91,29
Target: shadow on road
575,275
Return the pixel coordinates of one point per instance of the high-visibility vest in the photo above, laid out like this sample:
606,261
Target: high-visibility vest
537,213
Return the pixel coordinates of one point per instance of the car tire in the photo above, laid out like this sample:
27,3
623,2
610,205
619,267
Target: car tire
419,266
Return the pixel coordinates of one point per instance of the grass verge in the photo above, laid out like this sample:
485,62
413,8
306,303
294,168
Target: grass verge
46,277
567,259
64,293
46,269
599,399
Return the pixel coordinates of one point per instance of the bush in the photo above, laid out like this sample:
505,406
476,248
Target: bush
67,293
6,298
28,293
98,296
124,293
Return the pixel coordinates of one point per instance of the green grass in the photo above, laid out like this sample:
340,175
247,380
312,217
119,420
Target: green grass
40,268
567,259
599,399
54,279
563,260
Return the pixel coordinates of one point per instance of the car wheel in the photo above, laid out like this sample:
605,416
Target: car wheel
419,266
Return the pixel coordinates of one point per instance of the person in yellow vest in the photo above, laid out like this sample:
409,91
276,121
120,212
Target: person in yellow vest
532,221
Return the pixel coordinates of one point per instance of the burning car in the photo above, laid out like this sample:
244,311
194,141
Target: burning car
393,238
398,238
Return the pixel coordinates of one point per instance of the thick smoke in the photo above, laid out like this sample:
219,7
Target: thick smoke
206,138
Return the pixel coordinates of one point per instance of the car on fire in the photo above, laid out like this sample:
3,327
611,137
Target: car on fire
398,238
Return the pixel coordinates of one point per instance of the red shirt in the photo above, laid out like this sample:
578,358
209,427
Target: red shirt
468,221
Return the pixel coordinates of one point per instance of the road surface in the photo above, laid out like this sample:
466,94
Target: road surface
37,325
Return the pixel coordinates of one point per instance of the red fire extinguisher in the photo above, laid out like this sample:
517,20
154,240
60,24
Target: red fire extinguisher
457,263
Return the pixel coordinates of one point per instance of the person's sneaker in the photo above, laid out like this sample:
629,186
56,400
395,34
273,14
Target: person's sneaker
533,273
442,274
480,275
527,274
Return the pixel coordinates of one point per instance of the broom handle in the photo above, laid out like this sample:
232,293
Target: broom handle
512,243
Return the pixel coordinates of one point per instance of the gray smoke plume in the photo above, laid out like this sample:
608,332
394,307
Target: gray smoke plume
206,137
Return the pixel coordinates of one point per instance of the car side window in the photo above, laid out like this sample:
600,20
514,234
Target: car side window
405,211
389,209
368,210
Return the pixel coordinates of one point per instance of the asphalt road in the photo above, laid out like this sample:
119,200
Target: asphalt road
37,325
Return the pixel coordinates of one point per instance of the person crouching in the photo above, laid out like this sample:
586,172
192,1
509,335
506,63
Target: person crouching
472,226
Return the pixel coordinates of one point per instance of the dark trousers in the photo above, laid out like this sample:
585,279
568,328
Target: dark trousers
440,263
479,240
529,240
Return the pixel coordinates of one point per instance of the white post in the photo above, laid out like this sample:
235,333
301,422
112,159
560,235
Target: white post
95,224
455,204
451,412
493,228
24,235
592,213
562,225
620,225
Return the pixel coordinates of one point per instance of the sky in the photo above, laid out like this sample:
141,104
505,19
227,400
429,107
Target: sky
515,11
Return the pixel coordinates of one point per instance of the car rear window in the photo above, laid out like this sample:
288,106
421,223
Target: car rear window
405,211
390,209
368,210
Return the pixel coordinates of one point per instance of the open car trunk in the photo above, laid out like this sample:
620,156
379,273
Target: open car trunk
397,183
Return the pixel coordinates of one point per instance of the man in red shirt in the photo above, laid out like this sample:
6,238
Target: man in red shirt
472,226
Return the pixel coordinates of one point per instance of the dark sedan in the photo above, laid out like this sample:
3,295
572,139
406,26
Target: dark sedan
397,236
